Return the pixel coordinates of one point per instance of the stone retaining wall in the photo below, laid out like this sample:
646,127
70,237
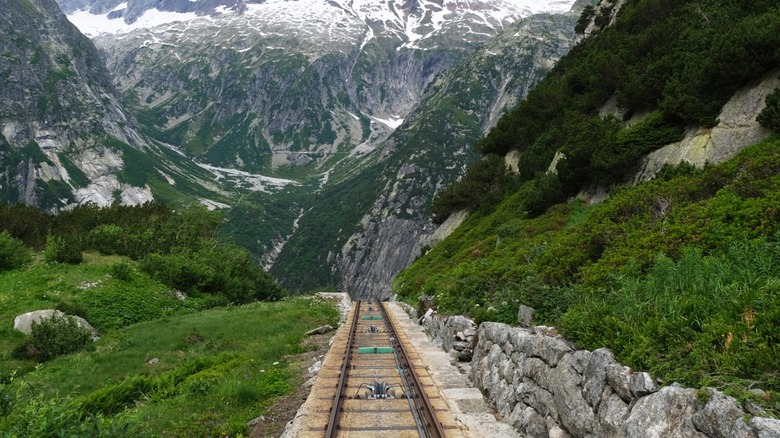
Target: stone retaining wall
544,387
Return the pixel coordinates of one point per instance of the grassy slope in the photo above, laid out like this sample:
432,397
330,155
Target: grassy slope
682,271
217,368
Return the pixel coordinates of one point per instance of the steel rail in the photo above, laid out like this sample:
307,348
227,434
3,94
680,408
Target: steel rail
338,399
433,427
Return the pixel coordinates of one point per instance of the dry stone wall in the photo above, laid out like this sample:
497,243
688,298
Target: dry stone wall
544,387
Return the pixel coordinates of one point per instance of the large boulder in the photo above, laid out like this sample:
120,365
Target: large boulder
23,323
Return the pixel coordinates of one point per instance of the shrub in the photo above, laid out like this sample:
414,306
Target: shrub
61,250
53,337
224,270
122,271
770,115
108,239
587,15
13,253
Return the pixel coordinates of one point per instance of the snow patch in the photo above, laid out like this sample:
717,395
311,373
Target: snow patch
393,122
94,25
250,181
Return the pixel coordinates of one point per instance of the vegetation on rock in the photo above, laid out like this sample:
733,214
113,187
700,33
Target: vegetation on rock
678,61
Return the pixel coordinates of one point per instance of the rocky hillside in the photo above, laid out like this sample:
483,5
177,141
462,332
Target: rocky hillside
66,137
428,151
287,88
60,115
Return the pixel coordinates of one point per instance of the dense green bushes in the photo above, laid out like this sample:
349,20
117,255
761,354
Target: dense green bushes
13,253
225,270
680,61
62,250
180,249
770,115
700,320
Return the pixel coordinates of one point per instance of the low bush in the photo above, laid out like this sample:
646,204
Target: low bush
224,270
61,250
700,320
29,415
770,115
13,253
122,271
53,337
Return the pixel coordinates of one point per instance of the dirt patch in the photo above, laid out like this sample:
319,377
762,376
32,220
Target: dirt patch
278,415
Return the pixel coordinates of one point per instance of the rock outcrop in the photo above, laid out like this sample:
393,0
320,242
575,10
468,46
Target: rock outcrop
737,128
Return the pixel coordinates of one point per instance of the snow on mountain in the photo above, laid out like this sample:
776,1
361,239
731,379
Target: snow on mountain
413,22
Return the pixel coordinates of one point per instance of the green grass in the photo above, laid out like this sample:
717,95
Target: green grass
677,275
87,290
216,370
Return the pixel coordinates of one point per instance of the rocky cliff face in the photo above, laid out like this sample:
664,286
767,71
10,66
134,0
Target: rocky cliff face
284,87
459,108
60,114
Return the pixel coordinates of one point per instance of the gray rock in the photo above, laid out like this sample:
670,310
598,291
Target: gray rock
612,417
23,323
527,421
666,413
718,415
595,376
740,429
256,421
466,355
557,432
538,398
308,384
619,379
320,330
642,384
753,409
537,370
494,332
554,349
153,361
315,368
765,427
576,415
534,425
459,345
504,395
580,360
525,316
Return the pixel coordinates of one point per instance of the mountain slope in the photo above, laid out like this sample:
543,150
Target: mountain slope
656,116
66,136
312,91
290,89
58,106
364,250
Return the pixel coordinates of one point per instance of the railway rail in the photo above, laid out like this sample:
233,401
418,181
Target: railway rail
373,384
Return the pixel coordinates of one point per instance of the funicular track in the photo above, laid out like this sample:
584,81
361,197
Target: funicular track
369,384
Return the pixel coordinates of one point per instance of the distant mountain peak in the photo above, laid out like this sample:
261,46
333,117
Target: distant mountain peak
414,20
